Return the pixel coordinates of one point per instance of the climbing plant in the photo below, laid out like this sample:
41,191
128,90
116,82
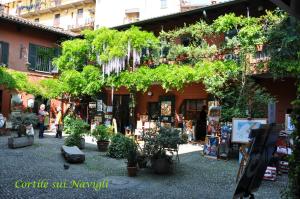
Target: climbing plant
12,79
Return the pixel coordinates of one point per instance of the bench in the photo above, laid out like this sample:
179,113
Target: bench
72,154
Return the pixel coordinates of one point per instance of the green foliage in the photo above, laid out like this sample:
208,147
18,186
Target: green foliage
74,83
118,147
102,133
21,120
216,75
244,100
227,22
132,154
12,79
294,160
75,54
75,126
73,140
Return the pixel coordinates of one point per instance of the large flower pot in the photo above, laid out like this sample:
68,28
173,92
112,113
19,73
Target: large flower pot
161,165
17,142
82,143
142,162
102,145
132,171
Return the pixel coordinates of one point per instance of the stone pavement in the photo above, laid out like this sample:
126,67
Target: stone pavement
102,177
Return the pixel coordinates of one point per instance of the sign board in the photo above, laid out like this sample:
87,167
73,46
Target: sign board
92,105
271,112
289,127
241,128
99,106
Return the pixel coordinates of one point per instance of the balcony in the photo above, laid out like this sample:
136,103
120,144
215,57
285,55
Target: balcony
38,7
81,24
186,5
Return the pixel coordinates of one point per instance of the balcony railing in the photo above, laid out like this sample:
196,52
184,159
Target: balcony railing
45,6
82,23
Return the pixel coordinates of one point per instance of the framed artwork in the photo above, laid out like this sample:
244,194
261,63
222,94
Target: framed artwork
166,108
241,128
144,118
289,127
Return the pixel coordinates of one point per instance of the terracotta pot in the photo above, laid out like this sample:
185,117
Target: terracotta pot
132,171
259,47
102,145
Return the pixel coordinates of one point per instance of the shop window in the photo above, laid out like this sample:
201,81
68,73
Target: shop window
153,110
191,108
40,58
163,4
4,49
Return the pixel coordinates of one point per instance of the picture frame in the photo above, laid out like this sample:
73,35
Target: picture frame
241,128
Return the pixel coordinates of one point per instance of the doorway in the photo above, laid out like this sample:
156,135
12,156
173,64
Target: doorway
121,111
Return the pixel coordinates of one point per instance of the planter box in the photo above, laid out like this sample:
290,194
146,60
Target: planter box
72,154
18,142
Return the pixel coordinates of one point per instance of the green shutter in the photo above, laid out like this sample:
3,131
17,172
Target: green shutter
32,56
5,48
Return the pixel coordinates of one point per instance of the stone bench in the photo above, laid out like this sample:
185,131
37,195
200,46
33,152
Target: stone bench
18,142
72,154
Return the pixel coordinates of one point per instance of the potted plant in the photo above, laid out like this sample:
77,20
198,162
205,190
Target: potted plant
23,123
260,43
161,162
76,128
131,158
102,134
157,145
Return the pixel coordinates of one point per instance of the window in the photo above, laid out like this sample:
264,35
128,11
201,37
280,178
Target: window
40,58
56,21
80,12
190,108
37,20
4,49
79,18
163,4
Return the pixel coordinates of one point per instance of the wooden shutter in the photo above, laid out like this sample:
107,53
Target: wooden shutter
5,53
32,56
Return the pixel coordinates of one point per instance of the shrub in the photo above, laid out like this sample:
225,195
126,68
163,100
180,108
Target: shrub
73,140
76,128
21,120
119,146
102,133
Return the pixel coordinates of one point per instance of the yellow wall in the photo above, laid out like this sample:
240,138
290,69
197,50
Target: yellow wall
68,16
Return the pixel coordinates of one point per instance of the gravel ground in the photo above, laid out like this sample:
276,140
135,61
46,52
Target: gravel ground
194,177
